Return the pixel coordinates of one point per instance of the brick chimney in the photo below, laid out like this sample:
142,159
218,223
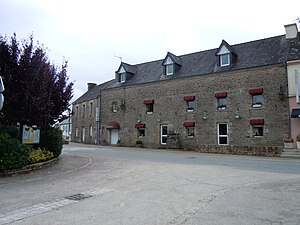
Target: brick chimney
291,31
91,85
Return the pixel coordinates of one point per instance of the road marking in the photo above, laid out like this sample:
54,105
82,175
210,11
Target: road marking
43,207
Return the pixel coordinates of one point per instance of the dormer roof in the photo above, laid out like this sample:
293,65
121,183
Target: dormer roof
175,59
125,67
224,46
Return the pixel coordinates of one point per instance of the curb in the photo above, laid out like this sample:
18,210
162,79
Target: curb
30,167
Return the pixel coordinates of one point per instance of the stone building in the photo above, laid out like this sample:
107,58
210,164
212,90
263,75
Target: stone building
232,99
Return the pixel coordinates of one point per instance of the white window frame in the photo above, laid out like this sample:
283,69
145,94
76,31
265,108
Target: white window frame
122,77
163,135
91,130
169,69
228,59
222,135
83,134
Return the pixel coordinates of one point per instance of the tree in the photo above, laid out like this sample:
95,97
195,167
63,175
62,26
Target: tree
36,92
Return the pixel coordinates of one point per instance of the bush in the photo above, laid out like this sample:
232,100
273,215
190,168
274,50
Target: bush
39,155
13,155
51,140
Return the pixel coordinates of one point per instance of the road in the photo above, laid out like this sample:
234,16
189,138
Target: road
110,185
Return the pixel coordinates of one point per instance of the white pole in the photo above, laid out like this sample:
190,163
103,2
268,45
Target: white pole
297,86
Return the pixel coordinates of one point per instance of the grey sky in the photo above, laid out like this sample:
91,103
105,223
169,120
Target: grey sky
89,34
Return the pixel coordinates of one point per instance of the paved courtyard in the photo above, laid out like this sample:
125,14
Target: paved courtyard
104,185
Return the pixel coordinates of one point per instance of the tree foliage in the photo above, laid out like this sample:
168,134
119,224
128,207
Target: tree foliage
36,91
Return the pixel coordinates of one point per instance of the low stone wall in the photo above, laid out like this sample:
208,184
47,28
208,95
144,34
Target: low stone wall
240,150
30,167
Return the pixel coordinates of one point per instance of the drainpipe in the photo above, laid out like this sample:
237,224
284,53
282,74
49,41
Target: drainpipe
98,118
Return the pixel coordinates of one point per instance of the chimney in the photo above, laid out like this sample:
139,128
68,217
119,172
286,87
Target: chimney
91,85
291,31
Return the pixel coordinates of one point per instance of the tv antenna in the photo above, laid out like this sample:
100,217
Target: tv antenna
119,57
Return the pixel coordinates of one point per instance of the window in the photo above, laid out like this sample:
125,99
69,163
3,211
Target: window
91,131
163,134
190,132
257,100
83,134
258,130
91,108
257,97
149,106
190,105
169,69
76,131
83,110
257,127
122,77
222,133
114,107
77,112
190,129
140,129
221,100
222,103
225,59
141,132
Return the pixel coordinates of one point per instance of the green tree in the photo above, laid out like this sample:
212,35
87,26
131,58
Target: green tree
36,91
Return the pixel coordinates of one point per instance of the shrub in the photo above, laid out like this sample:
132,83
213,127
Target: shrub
51,140
138,142
13,155
39,155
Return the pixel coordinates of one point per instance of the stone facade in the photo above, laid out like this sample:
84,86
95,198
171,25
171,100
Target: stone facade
170,109
84,125
230,100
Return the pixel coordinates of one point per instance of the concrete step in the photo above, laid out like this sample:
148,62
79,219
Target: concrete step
292,153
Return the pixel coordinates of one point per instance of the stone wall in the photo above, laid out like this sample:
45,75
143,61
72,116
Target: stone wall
170,109
84,118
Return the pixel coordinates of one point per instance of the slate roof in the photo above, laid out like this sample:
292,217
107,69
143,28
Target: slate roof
268,51
93,93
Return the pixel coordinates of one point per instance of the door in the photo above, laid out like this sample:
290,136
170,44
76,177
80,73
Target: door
83,134
163,134
222,134
114,136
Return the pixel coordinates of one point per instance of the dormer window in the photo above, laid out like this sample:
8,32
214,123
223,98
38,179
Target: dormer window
171,64
122,77
125,72
169,69
226,54
225,59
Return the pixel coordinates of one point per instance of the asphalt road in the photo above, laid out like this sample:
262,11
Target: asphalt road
106,185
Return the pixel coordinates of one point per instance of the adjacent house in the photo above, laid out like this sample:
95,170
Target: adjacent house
231,99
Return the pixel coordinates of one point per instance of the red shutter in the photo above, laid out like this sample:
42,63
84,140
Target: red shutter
147,102
256,91
189,98
221,94
140,125
257,122
189,124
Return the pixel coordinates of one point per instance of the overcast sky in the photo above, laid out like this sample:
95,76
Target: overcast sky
92,34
